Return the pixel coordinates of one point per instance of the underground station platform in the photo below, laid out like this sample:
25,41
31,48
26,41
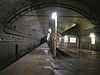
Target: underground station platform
40,62
49,37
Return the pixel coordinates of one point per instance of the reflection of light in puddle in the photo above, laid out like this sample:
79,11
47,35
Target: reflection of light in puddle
93,52
55,69
46,51
47,67
57,72
47,59
54,65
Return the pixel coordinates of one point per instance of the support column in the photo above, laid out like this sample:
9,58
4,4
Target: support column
78,52
54,16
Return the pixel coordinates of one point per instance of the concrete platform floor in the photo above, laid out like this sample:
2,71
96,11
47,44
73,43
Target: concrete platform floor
39,62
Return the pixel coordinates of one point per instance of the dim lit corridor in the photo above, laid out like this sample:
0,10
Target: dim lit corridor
39,62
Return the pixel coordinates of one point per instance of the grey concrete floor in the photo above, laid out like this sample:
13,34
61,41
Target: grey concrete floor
39,62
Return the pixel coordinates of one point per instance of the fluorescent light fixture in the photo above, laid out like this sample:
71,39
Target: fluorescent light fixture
93,40
73,24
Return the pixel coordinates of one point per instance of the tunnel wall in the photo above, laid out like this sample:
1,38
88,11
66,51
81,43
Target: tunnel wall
13,46
20,37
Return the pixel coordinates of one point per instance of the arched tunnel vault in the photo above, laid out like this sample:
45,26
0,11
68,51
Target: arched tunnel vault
26,6
25,22
37,22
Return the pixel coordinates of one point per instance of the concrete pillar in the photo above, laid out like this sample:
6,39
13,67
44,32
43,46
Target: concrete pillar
54,16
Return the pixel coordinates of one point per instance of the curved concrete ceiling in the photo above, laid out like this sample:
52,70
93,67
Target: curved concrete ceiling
66,19
32,17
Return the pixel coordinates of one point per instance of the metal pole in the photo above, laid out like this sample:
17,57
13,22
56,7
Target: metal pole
78,52
90,45
55,37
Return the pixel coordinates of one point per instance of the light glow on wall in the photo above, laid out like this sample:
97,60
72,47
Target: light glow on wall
65,38
93,40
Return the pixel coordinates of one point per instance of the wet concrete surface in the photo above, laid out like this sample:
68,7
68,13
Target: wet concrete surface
39,62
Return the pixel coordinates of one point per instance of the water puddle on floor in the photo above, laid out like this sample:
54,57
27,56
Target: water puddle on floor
47,67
